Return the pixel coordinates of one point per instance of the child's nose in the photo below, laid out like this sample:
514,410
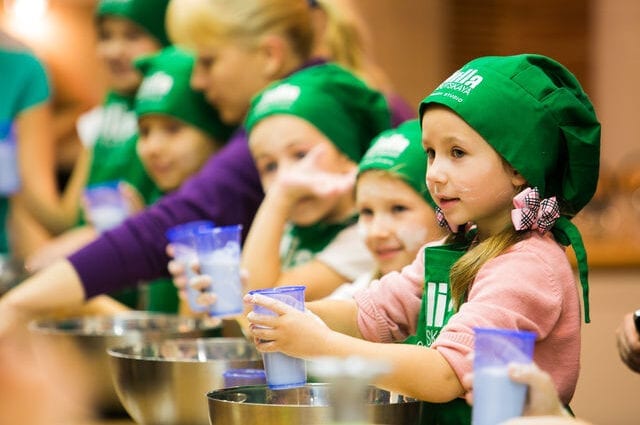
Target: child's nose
435,173
380,226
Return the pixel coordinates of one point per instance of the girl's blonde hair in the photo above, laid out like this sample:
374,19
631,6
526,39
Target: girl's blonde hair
199,22
464,271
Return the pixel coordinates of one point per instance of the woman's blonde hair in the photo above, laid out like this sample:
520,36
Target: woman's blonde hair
194,23
346,42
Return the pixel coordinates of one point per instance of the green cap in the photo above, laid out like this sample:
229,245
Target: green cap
149,14
165,90
400,152
535,114
331,98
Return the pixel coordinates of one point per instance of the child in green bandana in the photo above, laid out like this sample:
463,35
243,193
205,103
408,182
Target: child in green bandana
306,134
127,30
396,215
513,147
179,130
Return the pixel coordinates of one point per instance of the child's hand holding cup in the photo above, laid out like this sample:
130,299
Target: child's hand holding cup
283,371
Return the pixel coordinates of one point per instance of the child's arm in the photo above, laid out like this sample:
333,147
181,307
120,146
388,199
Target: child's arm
340,315
416,371
261,250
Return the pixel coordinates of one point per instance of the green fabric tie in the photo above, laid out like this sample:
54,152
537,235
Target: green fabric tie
567,234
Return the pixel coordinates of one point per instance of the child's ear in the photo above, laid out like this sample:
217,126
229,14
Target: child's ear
518,180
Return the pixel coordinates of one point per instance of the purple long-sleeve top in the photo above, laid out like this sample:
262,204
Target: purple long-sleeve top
226,191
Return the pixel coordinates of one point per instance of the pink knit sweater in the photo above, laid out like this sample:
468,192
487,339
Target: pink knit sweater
531,287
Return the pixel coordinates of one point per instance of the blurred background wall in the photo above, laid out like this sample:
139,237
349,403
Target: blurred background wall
417,43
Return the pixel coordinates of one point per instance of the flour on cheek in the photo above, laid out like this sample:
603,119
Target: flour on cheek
363,230
412,238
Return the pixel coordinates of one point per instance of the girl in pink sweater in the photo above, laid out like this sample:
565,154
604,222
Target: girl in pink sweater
512,148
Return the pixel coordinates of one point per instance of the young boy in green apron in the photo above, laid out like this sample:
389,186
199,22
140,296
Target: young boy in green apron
307,134
513,146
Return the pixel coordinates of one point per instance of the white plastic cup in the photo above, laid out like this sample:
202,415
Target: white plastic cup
106,207
9,173
283,371
218,252
496,398
182,238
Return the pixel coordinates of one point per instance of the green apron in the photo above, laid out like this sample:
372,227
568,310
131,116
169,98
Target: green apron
301,244
114,155
435,312
160,296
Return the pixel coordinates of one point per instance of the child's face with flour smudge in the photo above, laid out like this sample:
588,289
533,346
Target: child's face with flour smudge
395,221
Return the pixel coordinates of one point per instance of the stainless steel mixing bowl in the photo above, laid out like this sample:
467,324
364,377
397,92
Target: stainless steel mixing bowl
166,383
73,351
308,405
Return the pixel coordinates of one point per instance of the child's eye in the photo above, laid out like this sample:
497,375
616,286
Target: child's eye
143,131
134,34
299,154
396,209
173,127
268,168
457,153
430,153
366,212
104,35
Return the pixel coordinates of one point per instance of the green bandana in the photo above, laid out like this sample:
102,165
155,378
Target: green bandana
165,90
336,102
149,14
535,114
399,151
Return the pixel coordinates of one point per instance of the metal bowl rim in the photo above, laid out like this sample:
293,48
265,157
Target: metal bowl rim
117,350
46,325
232,390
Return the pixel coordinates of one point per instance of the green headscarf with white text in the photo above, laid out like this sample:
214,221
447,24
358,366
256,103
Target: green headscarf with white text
148,14
335,101
399,151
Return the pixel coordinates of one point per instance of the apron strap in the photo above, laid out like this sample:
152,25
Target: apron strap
567,234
